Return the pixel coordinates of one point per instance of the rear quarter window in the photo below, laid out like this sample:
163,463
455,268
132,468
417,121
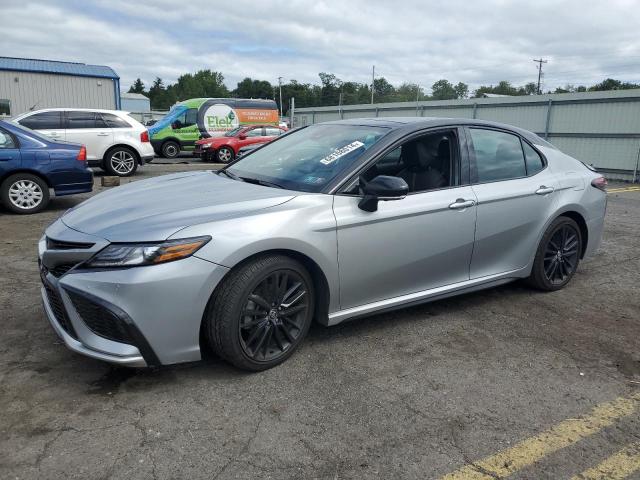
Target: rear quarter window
114,121
533,159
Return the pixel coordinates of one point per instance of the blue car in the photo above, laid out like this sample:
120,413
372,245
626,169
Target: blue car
31,164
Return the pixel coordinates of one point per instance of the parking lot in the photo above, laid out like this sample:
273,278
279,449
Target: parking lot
503,382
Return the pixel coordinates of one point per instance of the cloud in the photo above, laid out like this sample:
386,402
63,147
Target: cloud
408,41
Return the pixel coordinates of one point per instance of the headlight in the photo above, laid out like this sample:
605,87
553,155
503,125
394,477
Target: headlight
131,254
205,145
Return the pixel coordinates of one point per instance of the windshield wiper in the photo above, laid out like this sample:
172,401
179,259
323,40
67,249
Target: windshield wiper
264,183
231,175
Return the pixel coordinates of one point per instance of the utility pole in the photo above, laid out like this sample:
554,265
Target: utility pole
540,61
280,87
373,78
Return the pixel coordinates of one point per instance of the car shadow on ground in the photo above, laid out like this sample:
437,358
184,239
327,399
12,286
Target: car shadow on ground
111,378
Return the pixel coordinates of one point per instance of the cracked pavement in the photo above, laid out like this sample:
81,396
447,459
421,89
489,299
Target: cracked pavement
415,393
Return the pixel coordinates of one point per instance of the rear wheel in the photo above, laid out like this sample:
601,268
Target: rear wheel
558,255
121,161
261,312
24,193
170,149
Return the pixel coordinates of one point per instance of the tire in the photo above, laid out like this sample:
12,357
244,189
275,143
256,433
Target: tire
121,161
264,337
558,255
225,155
24,193
170,149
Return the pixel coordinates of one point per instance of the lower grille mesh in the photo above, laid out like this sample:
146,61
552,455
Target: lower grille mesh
60,270
100,320
55,302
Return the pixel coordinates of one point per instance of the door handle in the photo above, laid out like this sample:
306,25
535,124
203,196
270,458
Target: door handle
461,204
544,190
102,134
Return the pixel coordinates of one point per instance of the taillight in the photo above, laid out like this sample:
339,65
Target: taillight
144,136
82,154
600,183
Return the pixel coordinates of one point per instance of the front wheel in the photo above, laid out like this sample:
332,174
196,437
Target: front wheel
225,155
24,193
261,312
558,255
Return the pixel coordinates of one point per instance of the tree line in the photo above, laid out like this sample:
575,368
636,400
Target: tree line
333,91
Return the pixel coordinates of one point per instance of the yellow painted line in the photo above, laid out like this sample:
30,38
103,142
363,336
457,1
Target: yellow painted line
625,189
557,437
617,467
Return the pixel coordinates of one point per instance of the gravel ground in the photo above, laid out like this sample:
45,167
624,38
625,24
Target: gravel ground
416,393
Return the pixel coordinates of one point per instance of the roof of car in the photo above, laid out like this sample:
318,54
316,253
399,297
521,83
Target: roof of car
417,123
68,109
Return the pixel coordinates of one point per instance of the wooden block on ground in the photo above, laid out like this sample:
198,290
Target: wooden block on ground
110,181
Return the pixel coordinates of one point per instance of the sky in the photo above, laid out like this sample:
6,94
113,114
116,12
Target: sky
476,42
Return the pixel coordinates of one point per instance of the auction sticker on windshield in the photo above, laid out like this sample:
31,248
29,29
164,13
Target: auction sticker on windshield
341,152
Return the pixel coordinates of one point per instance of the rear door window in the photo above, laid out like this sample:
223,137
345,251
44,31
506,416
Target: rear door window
255,132
79,119
272,132
43,121
498,155
6,140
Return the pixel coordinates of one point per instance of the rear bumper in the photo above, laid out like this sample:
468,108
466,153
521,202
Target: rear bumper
82,183
595,227
146,152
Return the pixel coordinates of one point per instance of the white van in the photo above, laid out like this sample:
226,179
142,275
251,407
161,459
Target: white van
115,141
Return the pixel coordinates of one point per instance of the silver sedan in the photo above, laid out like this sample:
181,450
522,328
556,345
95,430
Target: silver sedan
330,222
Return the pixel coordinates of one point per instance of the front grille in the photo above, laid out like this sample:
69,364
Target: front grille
101,321
60,270
53,244
55,302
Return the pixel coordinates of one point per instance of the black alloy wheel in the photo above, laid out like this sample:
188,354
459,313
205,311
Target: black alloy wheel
274,316
558,255
561,254
260,313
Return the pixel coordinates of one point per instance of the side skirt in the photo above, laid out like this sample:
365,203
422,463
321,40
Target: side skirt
425,296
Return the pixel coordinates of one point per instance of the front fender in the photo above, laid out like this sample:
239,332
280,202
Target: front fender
305,225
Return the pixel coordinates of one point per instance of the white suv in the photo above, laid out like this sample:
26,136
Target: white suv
115,141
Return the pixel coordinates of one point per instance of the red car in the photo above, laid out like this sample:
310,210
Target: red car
224,149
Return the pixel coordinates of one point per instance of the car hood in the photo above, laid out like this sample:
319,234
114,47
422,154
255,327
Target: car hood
155,209
213,140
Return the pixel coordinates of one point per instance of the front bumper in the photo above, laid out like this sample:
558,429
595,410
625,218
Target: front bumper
135,317
203,153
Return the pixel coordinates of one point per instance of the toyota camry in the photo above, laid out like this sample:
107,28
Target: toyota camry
331,222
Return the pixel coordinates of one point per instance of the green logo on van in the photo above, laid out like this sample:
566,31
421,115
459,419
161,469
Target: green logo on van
220,117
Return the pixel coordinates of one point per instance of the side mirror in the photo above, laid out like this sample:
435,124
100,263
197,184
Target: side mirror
242,136
382,187
175,125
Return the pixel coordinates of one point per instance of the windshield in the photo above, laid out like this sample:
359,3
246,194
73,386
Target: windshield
308,159
234,132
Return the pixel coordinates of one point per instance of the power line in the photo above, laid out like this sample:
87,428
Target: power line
539,62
